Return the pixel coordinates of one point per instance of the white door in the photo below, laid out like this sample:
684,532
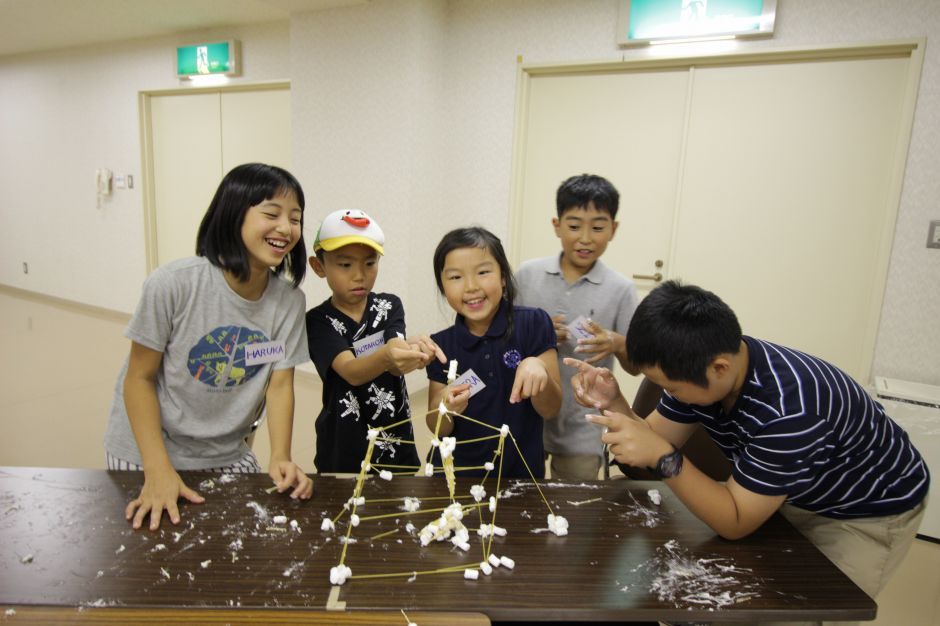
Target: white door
626,127
187,164
196,139
776,181
788,174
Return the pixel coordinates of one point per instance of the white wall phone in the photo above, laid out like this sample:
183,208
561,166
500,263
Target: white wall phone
103,178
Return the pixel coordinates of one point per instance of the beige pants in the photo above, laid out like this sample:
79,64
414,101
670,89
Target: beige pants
576,467
866,550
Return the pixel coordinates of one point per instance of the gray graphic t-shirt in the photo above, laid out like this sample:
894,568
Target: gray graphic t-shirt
218,354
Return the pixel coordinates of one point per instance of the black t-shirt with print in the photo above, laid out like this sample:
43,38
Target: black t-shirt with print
350,411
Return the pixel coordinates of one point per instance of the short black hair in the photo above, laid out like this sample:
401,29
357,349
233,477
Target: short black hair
220,237
681,329
579,191
478,237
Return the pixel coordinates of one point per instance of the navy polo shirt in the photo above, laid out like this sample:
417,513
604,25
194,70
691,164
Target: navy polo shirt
494,360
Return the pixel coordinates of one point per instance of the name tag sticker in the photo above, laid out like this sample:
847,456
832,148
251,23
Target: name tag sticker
369,344
578,329
264,352
470,378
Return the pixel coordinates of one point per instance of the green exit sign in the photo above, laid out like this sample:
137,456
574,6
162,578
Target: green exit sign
204,59
652,21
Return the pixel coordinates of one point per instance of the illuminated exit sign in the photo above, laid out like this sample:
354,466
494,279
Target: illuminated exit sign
205,59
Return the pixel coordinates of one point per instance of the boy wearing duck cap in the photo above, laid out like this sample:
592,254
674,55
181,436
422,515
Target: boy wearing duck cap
357,343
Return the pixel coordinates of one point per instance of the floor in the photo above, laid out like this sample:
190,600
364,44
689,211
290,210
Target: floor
54,411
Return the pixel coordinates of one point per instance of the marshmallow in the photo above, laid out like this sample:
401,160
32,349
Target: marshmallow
507,562
327,524
486,568
280,519
339,574
372,434
354,519
385,475
478,492
557,524
471,574
428,469
489,466
447,446
442,409
411,504
435,442
452,371
295,525
655,497
504,430
359,501
492,504
493,560
463,545
499,531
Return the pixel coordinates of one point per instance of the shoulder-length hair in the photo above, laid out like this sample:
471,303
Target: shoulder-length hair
220,239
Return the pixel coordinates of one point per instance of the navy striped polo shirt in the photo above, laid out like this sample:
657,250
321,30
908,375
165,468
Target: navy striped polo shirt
804,428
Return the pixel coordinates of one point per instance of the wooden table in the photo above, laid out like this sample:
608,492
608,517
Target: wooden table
64,543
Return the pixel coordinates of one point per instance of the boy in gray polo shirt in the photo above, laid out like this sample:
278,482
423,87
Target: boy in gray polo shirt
591,306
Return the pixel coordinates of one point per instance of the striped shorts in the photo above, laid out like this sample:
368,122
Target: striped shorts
247,465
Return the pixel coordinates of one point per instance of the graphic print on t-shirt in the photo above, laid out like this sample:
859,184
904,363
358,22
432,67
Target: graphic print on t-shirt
381,308
218,360
382,399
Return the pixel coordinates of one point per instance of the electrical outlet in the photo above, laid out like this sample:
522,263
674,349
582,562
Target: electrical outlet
25,267
933,234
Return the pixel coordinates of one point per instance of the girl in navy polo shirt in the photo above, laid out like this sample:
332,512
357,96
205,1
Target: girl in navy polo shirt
506,355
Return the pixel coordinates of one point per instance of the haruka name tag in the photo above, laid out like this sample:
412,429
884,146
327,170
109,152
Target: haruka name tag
369,344
264,352
470,378
578,329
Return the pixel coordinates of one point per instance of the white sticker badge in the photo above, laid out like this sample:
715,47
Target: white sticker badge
470,378
578,329
369,344
264,352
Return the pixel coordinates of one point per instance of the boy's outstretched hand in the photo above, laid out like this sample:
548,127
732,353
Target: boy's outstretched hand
630,439
602,344
427,346
162,488
403,357
287,474
594,387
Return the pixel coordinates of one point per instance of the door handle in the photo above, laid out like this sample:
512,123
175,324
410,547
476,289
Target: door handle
657,277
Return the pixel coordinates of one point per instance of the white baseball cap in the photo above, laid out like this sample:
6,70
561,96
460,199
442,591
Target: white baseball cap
341,228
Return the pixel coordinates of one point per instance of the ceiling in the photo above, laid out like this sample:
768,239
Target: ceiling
34,25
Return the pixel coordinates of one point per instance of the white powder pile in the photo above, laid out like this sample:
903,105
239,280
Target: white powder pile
686,582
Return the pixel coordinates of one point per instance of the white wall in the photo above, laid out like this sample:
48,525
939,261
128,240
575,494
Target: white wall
64,114
469,177
403,108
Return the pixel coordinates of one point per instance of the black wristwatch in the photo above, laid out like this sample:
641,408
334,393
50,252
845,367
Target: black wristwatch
669,465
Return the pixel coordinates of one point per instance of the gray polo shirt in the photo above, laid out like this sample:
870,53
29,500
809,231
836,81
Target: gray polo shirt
602,295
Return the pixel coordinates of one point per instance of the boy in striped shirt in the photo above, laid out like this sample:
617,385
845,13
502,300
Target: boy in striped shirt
803,437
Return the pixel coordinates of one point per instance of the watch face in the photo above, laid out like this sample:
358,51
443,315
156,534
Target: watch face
669,465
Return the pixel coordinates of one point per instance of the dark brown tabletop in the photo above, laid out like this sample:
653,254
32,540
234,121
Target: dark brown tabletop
64,542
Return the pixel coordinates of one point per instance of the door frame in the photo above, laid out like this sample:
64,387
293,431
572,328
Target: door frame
907,48
148,197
